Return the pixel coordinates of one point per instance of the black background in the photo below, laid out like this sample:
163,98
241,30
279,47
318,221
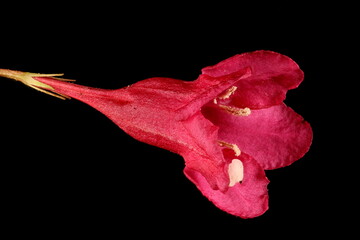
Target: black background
65,167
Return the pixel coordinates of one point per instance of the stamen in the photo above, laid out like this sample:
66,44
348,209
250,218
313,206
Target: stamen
236,172
228,93
234,147
236,111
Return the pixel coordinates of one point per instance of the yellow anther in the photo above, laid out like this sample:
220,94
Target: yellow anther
232,146
236,111
227,93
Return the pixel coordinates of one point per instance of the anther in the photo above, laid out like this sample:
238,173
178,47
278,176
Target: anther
232,146
236,111
236,172
227,93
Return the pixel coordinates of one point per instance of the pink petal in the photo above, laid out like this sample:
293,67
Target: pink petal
275,136
203,153
247,199
272,74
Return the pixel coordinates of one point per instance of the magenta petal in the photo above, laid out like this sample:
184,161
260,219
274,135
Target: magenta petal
275,136
272,74
261,62
247,199
204,154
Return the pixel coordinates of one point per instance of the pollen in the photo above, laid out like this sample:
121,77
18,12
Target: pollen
232,146
236,111
236,172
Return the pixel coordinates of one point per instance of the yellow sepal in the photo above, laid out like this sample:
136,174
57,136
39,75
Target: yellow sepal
28,79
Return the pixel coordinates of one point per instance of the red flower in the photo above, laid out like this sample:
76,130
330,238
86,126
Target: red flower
229,125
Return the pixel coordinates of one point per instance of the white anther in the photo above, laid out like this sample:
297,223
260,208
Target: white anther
236,172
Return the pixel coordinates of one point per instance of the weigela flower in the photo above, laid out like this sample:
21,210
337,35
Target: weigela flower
229,125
